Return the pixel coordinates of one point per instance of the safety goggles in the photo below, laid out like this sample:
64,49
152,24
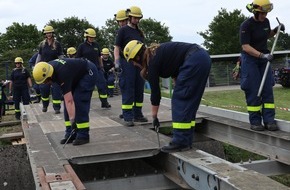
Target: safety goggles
264,8
18,63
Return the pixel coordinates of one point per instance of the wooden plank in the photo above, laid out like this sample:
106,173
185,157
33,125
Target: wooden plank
12,136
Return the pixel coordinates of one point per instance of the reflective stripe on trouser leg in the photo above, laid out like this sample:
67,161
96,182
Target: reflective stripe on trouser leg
45,91
187,95
56,96
268,112
82,96
139,95
252,71
127,86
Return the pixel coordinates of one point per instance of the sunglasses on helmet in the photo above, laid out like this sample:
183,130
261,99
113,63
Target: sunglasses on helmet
264,8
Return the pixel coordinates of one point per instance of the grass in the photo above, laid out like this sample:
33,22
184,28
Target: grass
235,100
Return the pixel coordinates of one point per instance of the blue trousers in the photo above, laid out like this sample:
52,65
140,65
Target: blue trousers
188,91
132,89
252,70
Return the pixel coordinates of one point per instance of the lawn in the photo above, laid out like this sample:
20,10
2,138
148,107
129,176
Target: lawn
235,100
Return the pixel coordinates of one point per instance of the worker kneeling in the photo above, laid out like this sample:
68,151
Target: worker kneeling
77,78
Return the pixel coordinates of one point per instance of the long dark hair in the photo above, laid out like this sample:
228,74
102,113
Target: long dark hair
148,53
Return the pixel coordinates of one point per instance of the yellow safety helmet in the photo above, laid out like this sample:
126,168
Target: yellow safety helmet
71,51
121,15
90,33
18,60
262,6
41,72
105,51
135,12
48,29
131,49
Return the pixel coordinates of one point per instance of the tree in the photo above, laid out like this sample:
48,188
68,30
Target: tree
153,31
70,31
19,40
222,37
109,32
283,42
20,36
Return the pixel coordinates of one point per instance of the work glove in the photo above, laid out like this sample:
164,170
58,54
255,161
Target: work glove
156,123
267,56
31,90
73,125
281,29
236,72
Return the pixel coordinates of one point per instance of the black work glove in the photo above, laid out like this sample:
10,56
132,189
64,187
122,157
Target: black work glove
74,125
267,56
31,90
156,123
118,70
281,29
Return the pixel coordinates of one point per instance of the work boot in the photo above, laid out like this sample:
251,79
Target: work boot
271,127
71,135
57,111
62,141
81,141
171,147
17,115
121,116
44,109
106,105
129,123
258,127
141,119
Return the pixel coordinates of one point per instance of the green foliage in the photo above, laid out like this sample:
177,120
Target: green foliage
235,154
154,31
235,100
283,42
109,33
222,37
70,31
19,37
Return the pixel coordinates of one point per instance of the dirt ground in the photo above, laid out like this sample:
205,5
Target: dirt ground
16,173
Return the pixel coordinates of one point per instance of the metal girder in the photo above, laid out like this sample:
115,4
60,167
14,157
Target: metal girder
233,128
148,182
204,171
267,167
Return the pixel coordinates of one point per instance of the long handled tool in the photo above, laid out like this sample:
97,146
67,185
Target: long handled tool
157,131
268,63
70,135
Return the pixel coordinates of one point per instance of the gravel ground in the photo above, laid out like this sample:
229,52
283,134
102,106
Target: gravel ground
15,167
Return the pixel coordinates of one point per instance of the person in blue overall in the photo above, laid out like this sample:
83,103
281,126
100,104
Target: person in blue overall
189,66
254,33
20,85
31,62
109,68
50,49
130,82
77,78
91,51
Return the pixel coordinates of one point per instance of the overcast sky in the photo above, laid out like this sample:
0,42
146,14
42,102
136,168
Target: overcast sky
183,17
